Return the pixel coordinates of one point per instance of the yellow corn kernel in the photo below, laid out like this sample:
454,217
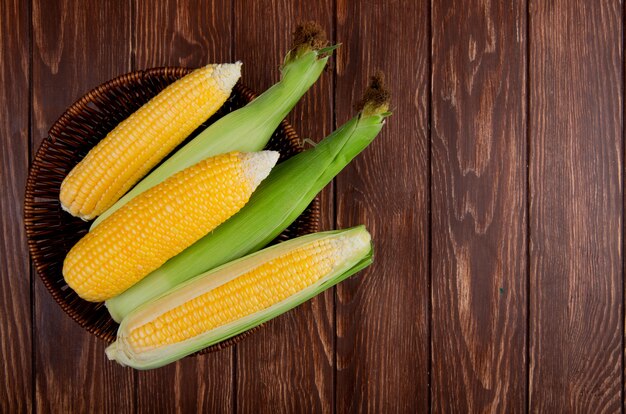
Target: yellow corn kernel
162,222
258,289
141,141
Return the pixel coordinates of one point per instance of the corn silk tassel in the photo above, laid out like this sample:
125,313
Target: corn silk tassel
279,200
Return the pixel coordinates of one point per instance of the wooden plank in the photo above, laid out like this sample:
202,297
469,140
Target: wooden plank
185,33
76,46
382,314
15,281
189,33
288,363
479,267
576,155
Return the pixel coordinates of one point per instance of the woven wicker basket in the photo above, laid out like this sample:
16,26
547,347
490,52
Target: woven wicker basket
51,232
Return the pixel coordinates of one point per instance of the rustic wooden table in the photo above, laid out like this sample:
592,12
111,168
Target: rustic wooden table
494,194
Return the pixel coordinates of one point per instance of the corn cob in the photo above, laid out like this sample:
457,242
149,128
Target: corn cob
279,200
238,296
249,128
141,141
163,222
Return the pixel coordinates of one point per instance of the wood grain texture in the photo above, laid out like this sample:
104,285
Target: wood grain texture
289,363
479,266
440,322
76,46
15,280
576,206
382,314
190,33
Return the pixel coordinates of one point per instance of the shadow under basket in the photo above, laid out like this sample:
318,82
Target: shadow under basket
51,232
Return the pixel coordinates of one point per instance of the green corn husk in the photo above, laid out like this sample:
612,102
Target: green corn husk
248,129
277,202
354,252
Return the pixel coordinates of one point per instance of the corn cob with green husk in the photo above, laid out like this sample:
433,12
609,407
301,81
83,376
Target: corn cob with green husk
238,296
141,141
249,128
162,222
278,201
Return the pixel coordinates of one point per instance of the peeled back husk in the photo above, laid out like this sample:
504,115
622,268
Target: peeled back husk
249,291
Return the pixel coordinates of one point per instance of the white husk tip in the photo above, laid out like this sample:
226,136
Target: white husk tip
352,244
111,351
227,75
115,352
257,165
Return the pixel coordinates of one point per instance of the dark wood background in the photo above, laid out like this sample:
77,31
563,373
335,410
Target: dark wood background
495,196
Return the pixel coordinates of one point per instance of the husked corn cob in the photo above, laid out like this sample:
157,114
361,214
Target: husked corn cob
162,222
238,296
137,144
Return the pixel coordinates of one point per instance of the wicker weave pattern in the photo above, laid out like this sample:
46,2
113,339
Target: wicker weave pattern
51,232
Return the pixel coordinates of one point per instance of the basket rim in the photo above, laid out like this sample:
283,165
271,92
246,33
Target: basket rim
36,165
